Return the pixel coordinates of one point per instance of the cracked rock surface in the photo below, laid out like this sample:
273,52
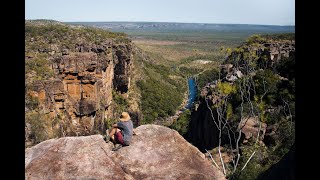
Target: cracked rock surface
156,152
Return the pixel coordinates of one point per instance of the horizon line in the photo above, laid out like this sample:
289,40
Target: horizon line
161,22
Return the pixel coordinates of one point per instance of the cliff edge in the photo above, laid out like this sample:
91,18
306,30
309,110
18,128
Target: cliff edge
156,152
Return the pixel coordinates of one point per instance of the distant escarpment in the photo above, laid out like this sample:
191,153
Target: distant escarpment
156,152
72,74
250,108
259,53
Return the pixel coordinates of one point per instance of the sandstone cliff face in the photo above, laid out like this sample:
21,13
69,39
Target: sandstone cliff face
156,152
80,95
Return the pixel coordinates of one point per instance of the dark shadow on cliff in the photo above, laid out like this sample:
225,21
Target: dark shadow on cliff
283,170
203,132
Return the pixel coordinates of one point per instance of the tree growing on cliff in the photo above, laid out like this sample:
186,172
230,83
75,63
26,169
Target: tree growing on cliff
259,93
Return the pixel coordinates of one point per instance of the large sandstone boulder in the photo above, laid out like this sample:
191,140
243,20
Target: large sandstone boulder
156,152
252,127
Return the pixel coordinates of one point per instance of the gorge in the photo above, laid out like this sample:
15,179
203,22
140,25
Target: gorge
79,79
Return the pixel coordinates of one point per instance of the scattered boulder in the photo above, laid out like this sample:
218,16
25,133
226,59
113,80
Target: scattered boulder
251,127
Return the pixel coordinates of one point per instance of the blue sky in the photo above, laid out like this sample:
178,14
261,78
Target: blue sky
267,12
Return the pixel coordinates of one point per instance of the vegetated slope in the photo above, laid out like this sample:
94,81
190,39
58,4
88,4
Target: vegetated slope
250,104
160,87
165,67
75,79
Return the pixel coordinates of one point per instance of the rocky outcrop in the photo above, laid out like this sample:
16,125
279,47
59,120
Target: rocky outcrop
80,95
277,50
156,152
266,54
251,127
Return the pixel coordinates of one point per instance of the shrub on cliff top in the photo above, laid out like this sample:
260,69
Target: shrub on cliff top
182,123
40,35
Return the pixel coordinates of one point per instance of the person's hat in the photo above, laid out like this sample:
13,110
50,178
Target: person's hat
124,116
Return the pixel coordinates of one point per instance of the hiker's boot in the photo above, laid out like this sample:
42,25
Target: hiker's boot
106,138
117,147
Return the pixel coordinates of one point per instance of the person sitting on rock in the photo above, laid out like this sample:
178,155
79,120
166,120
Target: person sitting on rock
121,132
